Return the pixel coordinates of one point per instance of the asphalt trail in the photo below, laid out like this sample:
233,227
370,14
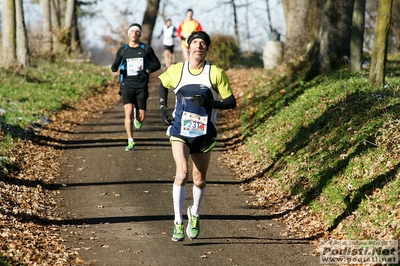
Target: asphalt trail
119,203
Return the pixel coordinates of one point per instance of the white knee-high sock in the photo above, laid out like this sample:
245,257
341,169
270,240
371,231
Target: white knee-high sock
178,196
197,198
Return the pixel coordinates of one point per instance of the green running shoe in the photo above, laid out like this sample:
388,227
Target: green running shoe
179,234
193,227
137,124
131,146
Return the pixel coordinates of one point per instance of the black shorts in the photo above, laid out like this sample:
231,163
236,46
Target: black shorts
169,48
197,145
137,97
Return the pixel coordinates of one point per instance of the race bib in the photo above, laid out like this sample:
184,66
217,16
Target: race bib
193,125
134,65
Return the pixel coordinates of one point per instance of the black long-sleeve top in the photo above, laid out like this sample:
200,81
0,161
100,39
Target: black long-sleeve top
143,52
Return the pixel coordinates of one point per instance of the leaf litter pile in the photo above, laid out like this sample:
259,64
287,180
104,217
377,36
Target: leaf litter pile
29,232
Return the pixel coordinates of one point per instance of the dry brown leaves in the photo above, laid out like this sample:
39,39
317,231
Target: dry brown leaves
28,209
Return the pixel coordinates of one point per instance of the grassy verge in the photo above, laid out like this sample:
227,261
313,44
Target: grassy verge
4,262
32,94
333,144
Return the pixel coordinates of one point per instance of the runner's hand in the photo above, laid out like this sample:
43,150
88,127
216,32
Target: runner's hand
144,72
166,117
200,100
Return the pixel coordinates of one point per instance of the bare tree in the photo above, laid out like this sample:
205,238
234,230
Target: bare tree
235,20
22,50
69,14
335,34
8,33
357,35
303,22
149,20
269,16
72,39
379,50
46,26
55,16
394,38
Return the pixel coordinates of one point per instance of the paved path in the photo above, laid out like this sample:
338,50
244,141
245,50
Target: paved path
120,204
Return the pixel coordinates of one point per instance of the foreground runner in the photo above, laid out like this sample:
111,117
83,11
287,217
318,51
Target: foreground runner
196,84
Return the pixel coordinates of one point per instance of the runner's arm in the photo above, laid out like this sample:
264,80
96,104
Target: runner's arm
163,95
199,27
179,31
154,63
165,114
117,61
227,103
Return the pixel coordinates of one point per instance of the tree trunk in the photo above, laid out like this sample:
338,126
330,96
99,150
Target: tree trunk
149,20
394,37
56,26
235,23
379,50
335,34
68,22
46,26
357,36
8,33
75,36
303,22
269,17
22,39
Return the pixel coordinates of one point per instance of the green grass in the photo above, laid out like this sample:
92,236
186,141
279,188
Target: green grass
332,143
46,88
5,262
43,89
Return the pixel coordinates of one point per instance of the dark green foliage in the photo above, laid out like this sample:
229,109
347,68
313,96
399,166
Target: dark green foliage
224,52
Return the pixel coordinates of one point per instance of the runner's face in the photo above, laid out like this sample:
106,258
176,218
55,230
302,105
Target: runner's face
198,49
134,35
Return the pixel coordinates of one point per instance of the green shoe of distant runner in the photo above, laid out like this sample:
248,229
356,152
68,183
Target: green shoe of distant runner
131,146
179,234
137,124
193,227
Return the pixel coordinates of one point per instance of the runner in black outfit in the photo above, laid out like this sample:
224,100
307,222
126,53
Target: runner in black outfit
136,61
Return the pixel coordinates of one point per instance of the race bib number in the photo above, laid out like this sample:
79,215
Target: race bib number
134,65
193,125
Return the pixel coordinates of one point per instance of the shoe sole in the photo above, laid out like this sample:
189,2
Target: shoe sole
177,239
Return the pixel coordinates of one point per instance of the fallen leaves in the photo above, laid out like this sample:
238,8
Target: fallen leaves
29,233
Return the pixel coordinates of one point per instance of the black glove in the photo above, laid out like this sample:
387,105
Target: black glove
144,72
166,117
200,100
114,67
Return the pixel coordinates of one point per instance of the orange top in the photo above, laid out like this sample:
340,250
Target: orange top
186,28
